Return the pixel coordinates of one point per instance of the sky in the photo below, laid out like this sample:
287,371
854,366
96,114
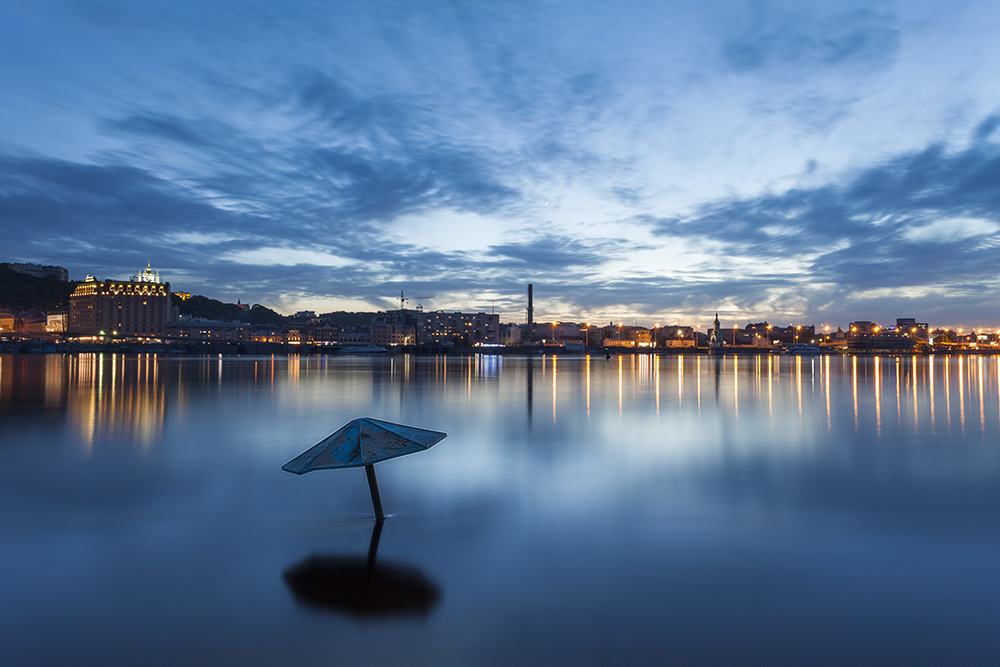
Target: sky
646,162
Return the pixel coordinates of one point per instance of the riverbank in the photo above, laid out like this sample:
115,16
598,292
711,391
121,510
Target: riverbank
267,349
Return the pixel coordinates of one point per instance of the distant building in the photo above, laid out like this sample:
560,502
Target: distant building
715,343
674,336
131,308
39,271
394,327
883,340
510,334
440,327
355,339
33,321
208,330
313,332
861,330
629,337
57,322
910,326
416,327
147,275
393,334
8,321
266,333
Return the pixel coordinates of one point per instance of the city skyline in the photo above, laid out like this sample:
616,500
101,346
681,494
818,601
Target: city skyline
826,327
766,161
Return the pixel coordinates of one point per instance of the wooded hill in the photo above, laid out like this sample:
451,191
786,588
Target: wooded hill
210,309
20,292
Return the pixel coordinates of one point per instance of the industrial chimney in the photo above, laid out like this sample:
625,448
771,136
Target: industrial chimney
531,316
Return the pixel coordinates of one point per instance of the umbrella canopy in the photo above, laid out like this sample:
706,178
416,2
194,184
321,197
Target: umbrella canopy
362,442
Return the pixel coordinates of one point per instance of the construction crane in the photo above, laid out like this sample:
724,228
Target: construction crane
403,299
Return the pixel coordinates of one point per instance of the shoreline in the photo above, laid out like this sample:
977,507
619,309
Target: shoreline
271,349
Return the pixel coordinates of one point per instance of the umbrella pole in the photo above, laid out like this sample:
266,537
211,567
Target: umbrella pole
373,545
373,487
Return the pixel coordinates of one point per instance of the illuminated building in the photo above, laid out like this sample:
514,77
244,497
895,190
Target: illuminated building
55,322
266,333
132,308
715,342
8,321
630,337
458,328
408,327
393,334
910,326
883,340
147,275
862,330
394,327
208,330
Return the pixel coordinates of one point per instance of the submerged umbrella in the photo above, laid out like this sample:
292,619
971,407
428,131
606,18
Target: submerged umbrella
364,442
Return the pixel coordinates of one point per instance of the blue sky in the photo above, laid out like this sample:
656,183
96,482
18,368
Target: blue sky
797,162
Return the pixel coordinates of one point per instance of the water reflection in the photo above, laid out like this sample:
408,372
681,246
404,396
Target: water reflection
362,586
128,396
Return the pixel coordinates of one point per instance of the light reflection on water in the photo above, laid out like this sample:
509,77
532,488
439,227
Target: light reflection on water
761,509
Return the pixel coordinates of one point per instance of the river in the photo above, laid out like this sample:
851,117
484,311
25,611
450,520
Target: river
753,510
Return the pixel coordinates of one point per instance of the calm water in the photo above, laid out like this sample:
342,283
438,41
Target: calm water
686,510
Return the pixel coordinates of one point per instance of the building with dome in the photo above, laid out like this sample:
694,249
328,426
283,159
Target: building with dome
134,308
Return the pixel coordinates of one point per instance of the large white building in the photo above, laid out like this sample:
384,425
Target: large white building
132,308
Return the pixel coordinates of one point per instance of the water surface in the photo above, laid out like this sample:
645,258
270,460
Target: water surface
638,510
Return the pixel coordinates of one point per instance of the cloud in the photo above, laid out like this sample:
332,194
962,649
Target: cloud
916,216
785,45
165,127
550,252
987,127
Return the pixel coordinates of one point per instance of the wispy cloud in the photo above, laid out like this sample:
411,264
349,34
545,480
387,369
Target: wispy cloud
786,44
926,218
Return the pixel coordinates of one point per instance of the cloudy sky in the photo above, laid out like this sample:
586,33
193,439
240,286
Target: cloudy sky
797,162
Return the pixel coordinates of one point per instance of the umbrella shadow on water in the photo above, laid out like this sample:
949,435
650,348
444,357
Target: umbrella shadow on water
361,586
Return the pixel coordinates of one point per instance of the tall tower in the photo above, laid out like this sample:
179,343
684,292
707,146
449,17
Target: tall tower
531,316
715,344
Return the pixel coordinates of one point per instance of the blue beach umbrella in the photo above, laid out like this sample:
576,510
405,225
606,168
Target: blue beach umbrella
364,442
